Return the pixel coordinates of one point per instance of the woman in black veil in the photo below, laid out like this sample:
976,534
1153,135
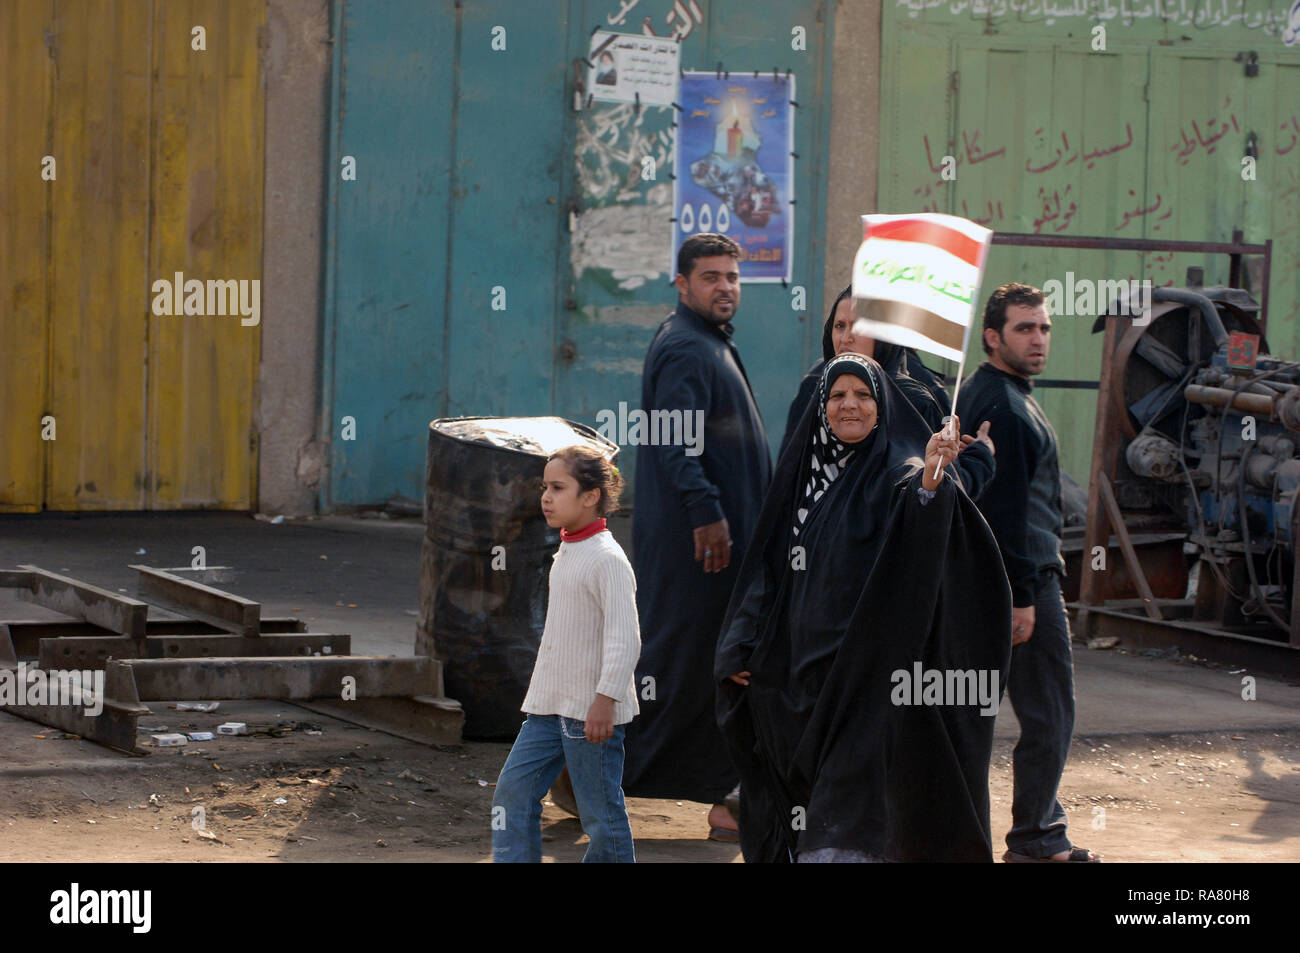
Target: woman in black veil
920,385
863,569
916,381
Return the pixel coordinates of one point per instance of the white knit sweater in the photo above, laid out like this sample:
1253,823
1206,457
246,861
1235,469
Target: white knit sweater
592,638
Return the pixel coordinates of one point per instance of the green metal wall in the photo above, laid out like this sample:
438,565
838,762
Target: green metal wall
475,171
1141,140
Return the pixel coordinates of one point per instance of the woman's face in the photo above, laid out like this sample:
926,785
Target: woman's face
850,408
842,336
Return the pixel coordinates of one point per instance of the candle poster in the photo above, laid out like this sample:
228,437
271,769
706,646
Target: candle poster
735,167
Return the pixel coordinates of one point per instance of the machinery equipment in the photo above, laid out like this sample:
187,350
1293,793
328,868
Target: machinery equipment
1198,434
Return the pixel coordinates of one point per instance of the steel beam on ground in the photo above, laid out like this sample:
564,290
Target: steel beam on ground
27,635
109,610
426,719
1216,645
291,677
114,724
94,651
201,602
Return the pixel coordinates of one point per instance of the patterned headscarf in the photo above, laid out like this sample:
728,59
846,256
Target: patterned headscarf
829,455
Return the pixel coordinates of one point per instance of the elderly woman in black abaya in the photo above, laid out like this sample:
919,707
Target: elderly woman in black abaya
902,365
920,385
864,568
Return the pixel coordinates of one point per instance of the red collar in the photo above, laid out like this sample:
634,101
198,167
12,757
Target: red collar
591,529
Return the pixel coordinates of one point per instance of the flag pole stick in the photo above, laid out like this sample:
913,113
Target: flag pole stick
948,428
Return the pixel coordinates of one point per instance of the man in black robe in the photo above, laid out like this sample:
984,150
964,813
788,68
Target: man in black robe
693,516
857,573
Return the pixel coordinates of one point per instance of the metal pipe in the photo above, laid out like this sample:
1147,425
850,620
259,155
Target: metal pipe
1028,239
1204,304
1222,397
1264,280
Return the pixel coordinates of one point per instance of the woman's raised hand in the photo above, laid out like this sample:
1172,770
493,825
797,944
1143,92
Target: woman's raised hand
941,451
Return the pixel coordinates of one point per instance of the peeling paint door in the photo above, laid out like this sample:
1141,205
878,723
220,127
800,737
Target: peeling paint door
498,251
1144,139
1056,140
24,239
618,235
1273,205
441,266
157,169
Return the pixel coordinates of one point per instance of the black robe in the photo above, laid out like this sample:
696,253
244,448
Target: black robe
887,582
673,747
921,387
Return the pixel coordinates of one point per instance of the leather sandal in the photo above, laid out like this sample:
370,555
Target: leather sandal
1077,856
724,835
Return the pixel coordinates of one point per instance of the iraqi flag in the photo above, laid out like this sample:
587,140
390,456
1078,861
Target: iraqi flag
921,273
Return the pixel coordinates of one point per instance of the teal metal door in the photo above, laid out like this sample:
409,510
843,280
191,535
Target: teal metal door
498,250
620,237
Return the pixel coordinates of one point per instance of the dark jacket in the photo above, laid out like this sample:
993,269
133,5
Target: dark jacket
1023,502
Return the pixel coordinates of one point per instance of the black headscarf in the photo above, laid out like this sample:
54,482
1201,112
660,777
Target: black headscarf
873,583
920,385
891,357
829,457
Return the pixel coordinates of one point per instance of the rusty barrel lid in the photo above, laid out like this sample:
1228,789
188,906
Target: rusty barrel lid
534,436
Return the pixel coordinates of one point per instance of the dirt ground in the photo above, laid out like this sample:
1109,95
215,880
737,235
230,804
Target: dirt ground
352,794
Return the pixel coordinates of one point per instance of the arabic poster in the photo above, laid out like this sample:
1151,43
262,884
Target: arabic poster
735,168
625,67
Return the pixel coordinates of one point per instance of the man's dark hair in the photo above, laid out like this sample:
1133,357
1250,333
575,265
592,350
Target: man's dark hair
704,245
995,312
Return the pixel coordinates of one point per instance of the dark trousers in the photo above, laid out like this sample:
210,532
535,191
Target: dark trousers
1041,689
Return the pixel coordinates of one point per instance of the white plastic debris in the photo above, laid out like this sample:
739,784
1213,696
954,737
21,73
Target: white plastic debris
232,728
170,740
197,706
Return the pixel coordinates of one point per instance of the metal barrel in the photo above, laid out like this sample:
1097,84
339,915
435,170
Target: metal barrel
486,556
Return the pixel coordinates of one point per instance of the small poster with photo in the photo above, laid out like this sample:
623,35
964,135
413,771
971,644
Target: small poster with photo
626,68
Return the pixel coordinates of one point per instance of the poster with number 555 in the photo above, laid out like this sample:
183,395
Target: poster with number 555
735,168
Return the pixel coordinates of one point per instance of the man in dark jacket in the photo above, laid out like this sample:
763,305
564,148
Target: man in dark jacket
1023,507
693,517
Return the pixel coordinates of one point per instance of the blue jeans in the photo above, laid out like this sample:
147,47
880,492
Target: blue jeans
545,744
1041,689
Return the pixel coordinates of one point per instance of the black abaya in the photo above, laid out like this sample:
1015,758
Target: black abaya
826,758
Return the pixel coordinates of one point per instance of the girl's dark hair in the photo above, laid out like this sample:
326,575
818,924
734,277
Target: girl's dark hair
593,471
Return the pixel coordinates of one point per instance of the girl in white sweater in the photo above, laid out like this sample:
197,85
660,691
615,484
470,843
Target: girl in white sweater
582,694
